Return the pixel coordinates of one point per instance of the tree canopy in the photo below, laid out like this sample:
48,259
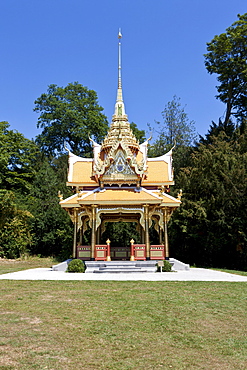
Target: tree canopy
210,226
139,134
15,232
70,114
18,159
227,57
176,128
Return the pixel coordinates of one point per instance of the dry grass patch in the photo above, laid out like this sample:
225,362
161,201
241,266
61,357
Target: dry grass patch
123,325
11,265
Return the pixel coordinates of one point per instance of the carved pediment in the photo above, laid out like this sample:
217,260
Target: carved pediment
120,170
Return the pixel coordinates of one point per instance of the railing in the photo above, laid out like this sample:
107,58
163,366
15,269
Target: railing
83,252
157,252
102,252
138,251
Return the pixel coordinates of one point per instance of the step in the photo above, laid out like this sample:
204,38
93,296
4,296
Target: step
118,271
120,268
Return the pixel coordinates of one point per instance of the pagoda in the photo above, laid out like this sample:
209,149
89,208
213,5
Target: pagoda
120,183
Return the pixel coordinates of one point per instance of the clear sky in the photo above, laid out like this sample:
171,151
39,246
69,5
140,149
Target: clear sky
47,42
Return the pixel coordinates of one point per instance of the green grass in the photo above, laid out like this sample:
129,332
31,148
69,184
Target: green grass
123,325
237,272
7,266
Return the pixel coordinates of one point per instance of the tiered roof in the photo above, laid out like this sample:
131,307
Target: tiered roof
120,171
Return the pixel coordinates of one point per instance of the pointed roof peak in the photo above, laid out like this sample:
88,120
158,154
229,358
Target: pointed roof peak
120,130
119,113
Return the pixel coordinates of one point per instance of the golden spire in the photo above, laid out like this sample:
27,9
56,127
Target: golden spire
119,60
120,128
119,114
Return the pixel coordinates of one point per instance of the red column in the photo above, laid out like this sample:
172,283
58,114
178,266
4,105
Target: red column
108,255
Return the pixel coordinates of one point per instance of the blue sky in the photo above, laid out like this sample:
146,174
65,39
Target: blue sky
47,42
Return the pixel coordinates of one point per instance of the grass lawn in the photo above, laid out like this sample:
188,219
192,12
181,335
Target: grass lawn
236,272
24,264
122,325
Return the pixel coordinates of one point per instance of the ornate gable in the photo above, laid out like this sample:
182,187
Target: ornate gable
120,159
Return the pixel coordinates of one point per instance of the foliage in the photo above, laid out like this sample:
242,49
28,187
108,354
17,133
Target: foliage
76,265
167,267
227,57
210,227
18,160
120,233
51,225
70,114
15,236
215,129
176,129
139,134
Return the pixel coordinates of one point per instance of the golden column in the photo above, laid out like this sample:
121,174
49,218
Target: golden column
132,252
75,219
160,235
166,219
93,236
146,213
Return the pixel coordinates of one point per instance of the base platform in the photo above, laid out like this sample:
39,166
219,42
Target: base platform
123,266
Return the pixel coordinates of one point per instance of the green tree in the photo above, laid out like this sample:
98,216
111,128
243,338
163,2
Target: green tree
139,134
18,160
216,129
227,57
210,227
120,233
15,235
176,128
70,114
51,225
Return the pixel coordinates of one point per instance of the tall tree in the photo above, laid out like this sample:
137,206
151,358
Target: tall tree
15,235
209,229
18,160
70,114
216,129
176,128
51,226
227,57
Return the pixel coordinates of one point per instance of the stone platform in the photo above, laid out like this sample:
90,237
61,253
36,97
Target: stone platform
120,266
123,266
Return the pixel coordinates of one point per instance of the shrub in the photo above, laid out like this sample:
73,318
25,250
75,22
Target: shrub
76,266
167,267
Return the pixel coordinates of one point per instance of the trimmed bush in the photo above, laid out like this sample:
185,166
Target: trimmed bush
167,267
76,266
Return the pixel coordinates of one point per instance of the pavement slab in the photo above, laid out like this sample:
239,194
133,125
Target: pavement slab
194,274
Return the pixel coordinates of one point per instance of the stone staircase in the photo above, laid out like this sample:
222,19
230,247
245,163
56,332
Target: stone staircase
120,266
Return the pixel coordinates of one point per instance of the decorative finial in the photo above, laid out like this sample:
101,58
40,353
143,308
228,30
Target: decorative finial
60,195
119,59
180,194
119,113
